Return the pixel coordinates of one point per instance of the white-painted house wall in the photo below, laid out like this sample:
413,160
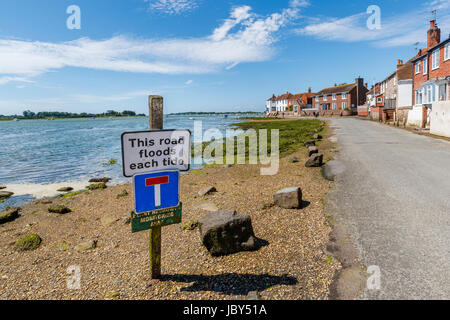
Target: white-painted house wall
440,119
415,116
405,96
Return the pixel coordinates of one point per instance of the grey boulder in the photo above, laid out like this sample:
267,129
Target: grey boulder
289,198
312,150
226,232
316,160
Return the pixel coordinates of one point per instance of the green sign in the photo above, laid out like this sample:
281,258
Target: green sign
156,218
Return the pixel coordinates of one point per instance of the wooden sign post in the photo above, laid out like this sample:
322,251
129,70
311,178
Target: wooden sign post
156,122
154,159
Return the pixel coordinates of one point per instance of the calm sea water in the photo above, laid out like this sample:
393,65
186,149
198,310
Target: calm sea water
37,156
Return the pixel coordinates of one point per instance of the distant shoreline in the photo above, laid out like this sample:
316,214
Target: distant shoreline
75,118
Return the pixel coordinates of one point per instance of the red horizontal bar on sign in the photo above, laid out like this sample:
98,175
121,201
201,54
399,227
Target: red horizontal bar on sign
158,180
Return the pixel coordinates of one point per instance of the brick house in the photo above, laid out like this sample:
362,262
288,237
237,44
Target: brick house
431,79
334,100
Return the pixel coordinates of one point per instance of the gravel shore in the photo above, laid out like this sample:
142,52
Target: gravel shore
291,264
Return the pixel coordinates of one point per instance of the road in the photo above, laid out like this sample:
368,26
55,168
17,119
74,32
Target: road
394,201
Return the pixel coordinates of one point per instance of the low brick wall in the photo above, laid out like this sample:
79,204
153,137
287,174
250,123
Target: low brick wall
363,112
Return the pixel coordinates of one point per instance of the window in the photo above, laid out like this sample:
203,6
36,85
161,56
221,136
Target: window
419,96
317,98
429,94
334,96
344,105
447,51
325,98
379,100
334,105
435,56
317,106
344,96
425,65
418,67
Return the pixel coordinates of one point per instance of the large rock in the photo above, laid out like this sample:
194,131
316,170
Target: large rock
5,194
225,232
9,215
312,150
316,160
207,190
310,143
289,198
317,136
331,169
2,187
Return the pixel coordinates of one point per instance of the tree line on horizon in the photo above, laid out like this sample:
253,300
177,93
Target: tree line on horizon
27,114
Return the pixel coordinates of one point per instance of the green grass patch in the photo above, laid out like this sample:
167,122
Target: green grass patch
292,136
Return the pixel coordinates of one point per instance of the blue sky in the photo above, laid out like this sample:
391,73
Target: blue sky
201,55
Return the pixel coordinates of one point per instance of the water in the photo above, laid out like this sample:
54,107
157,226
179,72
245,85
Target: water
37,156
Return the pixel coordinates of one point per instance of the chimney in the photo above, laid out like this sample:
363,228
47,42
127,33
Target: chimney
366,85
335,85
309,90
399,63
433,35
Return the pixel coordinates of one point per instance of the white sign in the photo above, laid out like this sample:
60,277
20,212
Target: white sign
149,151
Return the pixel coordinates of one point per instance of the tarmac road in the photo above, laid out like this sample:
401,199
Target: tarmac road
394,201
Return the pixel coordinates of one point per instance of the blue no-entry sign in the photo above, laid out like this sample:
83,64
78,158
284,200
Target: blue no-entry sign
155,191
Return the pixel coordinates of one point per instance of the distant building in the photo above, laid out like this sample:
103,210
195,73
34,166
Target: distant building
341,97
290,103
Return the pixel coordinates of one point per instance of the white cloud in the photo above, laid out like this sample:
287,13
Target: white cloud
189,82
172,7
4,80
250,42
403,29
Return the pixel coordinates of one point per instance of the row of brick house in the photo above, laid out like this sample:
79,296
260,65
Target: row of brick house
418,91
334,100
